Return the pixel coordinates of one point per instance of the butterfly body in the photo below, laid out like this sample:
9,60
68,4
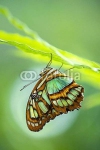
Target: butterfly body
54,94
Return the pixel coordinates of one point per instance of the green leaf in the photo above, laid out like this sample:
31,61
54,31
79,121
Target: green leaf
38,48
34,46
17,23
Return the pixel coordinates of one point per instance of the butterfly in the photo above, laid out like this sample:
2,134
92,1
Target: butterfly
54,94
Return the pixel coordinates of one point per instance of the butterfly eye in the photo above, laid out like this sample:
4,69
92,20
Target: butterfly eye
43,71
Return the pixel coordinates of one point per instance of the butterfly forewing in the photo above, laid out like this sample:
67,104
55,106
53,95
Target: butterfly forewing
39,107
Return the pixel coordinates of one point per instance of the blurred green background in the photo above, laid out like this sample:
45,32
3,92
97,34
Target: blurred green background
70,25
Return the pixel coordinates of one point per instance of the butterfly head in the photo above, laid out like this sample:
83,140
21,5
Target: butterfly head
45,71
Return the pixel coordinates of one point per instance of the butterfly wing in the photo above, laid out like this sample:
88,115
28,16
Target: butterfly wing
65,94
39,109
51,98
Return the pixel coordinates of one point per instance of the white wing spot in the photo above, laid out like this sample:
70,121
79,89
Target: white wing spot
28,122
40,122
34,103
32,124
36,124
55,103
34,91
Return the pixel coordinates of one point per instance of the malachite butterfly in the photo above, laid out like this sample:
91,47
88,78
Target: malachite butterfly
55,93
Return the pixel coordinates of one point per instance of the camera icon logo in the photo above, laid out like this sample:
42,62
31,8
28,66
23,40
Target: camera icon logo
28,75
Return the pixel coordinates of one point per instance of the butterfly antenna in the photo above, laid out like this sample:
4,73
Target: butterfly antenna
28,84
69,69
60,66
49,61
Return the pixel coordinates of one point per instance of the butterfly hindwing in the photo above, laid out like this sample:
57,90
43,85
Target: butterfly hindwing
65,98
39,108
